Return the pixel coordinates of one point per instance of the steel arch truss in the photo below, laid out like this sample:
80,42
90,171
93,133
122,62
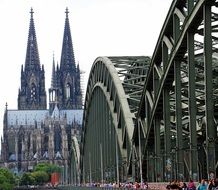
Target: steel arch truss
177,118
112,98
75,162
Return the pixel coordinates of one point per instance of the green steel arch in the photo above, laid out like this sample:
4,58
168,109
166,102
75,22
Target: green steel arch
112,98
75,162
176,131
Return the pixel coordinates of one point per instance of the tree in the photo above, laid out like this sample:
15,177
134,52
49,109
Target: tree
48,168
6,186
27,179
40,177
7,180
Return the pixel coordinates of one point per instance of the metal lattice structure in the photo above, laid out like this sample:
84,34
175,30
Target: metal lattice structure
177,117
113,94
75,162
156,120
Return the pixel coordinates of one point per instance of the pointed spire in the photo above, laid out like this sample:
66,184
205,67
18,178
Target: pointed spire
32,55
32,94
53,77
31,12
78,69
67,54
6,106
67,12
5,120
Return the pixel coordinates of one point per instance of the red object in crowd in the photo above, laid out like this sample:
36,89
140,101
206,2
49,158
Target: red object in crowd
55,178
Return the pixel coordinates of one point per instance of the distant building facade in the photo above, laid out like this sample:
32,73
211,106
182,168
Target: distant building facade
33,133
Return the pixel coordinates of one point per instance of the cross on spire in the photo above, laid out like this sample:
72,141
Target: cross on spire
31,12
67,12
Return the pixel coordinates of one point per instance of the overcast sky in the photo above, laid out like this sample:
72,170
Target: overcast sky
98,28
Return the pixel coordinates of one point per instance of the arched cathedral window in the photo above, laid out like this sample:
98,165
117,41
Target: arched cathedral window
68,90
53,95
57,138
33,91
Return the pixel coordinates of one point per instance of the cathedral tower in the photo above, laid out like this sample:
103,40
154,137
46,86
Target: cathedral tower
65,91
32,94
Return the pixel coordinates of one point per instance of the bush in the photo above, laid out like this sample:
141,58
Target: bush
6,186
48,168
7,180
27,179
40,177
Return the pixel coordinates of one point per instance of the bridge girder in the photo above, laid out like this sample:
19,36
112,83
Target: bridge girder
177,116
75,162
112,98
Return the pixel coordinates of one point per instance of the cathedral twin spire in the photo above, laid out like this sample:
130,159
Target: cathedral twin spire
65,92
67,55
65,86
32,94
32,55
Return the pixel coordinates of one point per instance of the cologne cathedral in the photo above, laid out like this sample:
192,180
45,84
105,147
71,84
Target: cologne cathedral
34,133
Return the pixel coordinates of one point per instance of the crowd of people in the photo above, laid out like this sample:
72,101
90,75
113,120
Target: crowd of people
204,184
126,185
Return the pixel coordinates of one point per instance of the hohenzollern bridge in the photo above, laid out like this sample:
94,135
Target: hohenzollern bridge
155,118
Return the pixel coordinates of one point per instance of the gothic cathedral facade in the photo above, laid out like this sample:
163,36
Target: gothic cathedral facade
33,133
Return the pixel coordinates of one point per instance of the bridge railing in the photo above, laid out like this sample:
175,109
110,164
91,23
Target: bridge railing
93,188
151,186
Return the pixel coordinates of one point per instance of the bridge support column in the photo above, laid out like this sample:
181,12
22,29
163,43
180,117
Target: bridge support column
193,168
178,106
157,155
178,113
168,160
166,115
209,111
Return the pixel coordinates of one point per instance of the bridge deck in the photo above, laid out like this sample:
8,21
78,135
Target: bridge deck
151,186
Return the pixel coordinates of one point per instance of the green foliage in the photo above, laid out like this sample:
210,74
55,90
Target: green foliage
40,177
7,179
17,180
2,178
6,186
48,168
27,179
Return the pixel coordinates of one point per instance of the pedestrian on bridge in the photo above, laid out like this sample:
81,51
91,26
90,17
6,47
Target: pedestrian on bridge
203,185
191,185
